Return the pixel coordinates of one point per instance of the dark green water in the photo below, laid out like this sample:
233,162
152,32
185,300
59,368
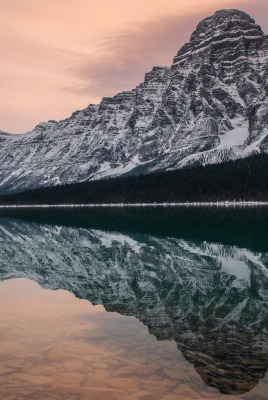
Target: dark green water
193,278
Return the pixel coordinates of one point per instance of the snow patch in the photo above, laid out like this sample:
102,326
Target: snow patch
235,137
106,170
237,268
107,239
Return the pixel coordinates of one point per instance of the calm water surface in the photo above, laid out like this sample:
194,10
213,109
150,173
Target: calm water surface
134,304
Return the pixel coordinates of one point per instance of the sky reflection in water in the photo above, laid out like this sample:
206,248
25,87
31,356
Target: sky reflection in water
208,298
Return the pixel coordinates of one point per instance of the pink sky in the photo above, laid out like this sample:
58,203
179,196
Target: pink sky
58,56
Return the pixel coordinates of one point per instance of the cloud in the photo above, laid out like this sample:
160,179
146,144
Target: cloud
57,59
124,57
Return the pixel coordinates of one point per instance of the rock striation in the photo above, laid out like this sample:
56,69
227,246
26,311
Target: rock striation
209,298
210,106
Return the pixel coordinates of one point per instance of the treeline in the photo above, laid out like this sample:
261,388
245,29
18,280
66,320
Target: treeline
245,179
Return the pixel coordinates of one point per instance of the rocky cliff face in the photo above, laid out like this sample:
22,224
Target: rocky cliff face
210,299
210,106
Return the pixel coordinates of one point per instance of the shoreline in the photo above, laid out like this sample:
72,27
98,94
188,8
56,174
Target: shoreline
118,205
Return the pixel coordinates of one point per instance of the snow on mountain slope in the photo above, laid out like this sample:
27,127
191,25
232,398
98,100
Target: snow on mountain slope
210,298
210,106
235,137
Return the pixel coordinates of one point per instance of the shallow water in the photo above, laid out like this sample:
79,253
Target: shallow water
138,304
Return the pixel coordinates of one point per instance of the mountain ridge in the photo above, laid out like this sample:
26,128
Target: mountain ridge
210,106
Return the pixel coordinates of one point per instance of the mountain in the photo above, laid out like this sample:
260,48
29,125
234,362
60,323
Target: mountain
210,298
209,106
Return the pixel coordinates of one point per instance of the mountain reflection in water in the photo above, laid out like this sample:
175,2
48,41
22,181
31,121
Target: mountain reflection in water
163,267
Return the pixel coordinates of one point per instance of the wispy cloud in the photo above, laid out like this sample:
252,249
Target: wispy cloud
58,56
124,57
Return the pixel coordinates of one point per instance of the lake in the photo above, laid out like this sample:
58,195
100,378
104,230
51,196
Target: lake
149,304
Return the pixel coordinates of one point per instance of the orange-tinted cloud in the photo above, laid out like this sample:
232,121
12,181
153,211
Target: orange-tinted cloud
58,56
125,56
